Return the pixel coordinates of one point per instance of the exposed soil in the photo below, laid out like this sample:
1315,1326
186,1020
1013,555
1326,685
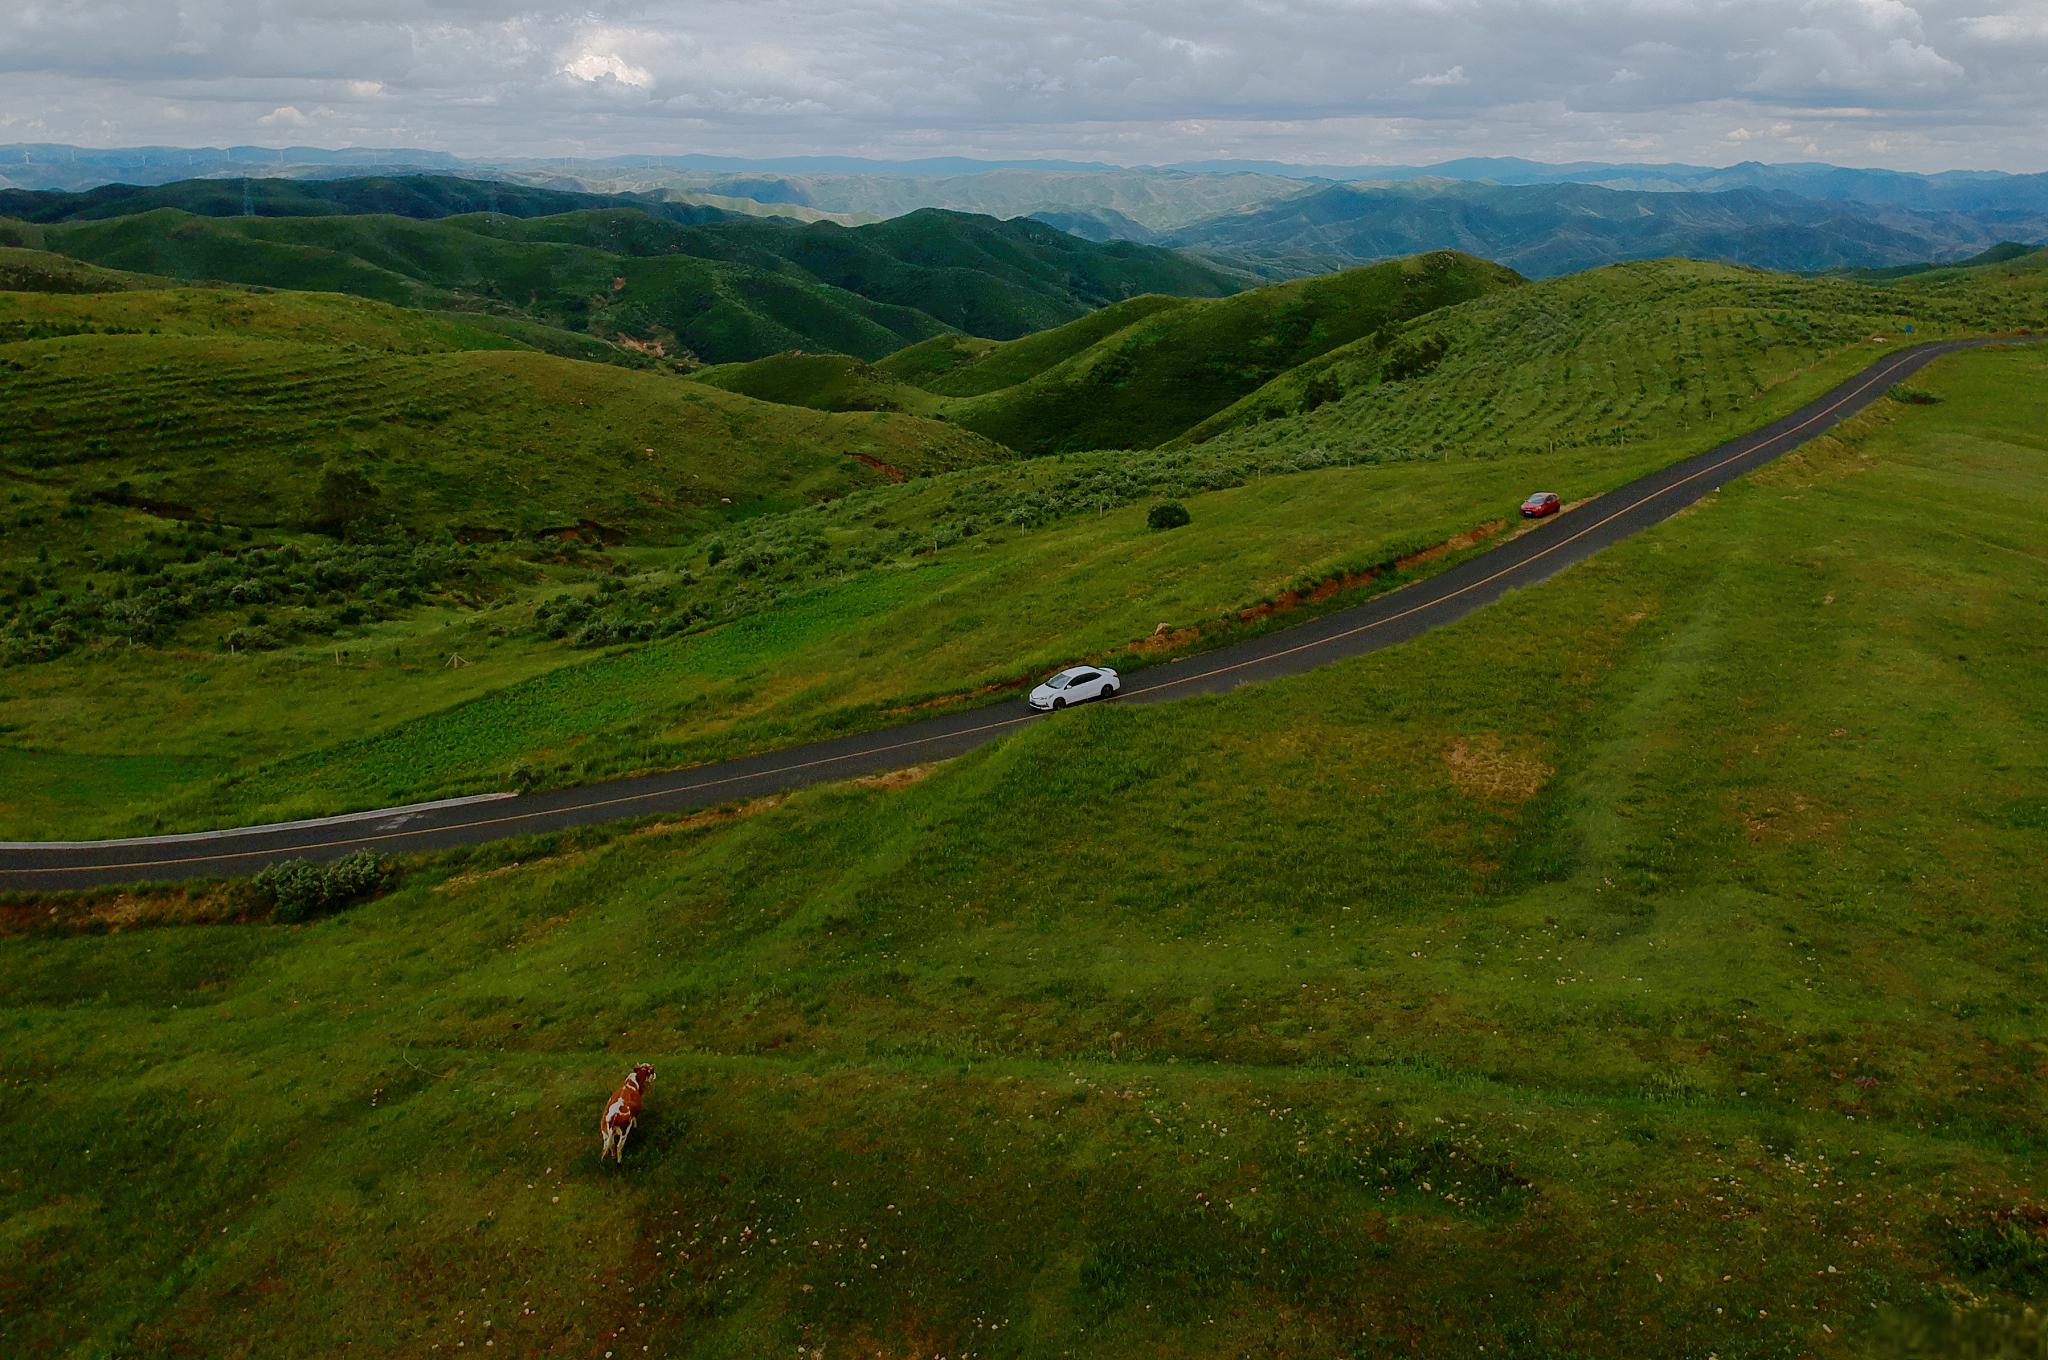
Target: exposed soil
1484,767
894,474
213,904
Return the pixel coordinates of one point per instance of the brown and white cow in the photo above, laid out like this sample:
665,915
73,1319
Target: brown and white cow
622,1112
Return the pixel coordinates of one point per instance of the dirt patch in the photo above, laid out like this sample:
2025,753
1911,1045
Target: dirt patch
1455,543
216,904
652,347
897,779
894,474
941,701
583,531
1792,817
1484,767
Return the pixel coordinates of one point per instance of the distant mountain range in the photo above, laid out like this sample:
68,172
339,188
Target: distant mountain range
1269,218
1549,229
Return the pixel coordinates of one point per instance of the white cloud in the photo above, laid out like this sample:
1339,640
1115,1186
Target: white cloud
2021,23
596,66
1454,76
284,116
1339,81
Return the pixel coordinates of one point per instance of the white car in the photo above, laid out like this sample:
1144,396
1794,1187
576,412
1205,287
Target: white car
1074,685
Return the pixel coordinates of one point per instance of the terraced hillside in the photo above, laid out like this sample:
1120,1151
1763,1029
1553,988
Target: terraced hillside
214,468
1617,355
1663,981
1140,373
714,291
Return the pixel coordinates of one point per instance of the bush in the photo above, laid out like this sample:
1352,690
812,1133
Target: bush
1168,515
1912,396
298,890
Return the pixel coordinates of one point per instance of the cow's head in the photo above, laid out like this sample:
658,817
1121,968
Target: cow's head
643,1074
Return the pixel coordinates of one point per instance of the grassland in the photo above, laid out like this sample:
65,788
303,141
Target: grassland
1140,373
669,630
1662,979
716,292
1615,354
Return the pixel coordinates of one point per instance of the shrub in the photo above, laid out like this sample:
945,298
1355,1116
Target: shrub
1912,396
298,890
1168,515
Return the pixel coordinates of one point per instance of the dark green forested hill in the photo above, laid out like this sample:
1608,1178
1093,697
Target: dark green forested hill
681,280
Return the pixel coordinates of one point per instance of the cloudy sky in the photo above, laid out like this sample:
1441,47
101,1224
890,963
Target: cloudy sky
1926,85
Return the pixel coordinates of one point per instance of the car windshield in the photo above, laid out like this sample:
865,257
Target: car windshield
1058,681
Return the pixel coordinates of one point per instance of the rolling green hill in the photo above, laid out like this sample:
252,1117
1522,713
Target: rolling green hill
228,405
209,467
621,615
421,196
38,271
1610,354
1142,372
1662,981
715,291
822,382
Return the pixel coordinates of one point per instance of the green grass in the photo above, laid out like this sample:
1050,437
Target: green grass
960,366
1622,353
858,652
38,271
714,292
213,409
771,620
1664,980
823,382
1168,370
1135,374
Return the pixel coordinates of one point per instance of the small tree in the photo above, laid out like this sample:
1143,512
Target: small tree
342,502
1168,515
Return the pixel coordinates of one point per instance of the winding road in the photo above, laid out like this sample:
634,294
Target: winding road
1380,622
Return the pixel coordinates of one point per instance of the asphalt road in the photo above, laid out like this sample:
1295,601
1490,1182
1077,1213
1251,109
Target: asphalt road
1381,622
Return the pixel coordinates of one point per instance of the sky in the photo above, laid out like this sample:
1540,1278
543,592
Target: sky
1926,86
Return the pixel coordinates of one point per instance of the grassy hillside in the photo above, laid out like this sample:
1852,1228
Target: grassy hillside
1620,354
38,271
720,291
962,366
1170,370
713,628
421,196
215,469
676,303
824,382
1137,374
1662,981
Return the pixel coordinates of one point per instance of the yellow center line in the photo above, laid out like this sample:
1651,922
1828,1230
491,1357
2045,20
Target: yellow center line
1431,603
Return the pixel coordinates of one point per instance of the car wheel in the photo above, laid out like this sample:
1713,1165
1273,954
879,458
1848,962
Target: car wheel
1109,691
1058,704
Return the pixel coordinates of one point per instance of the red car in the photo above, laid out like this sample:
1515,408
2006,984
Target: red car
1541,504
